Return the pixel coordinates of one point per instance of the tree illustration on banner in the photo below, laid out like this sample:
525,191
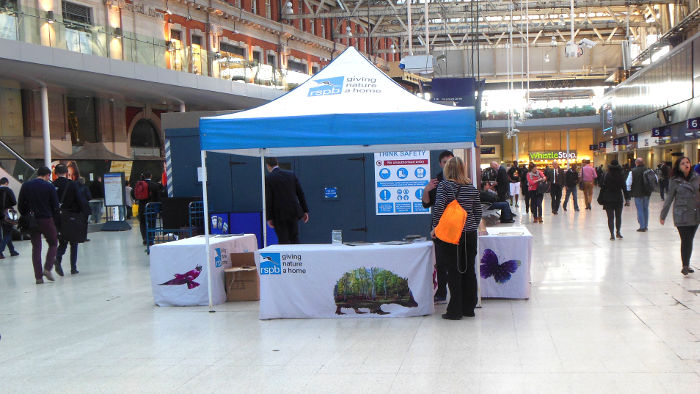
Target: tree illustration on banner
371,288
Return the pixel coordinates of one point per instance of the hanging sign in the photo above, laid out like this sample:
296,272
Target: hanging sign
692,124
399,181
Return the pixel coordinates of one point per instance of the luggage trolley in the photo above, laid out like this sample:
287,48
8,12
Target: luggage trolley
155,233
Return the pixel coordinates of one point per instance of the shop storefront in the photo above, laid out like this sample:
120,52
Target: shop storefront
545,147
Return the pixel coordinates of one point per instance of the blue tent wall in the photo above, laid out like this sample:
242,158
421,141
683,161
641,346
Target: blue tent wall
234,187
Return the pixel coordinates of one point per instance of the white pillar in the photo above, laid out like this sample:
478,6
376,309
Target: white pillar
410,28
264,203
427,29
182,106
205,201
45,125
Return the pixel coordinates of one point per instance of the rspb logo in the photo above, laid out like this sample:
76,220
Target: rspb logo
270,264
327,87
221,257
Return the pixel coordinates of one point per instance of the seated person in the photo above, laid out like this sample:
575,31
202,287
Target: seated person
489,197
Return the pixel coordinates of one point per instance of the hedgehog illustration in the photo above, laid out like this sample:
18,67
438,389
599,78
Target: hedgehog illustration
371,288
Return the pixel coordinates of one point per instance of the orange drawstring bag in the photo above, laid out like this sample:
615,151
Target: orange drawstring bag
451,224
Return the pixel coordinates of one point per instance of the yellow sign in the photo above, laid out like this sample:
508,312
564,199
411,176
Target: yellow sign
122,166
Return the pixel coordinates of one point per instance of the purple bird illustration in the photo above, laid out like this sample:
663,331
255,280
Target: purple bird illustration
501,272
186,278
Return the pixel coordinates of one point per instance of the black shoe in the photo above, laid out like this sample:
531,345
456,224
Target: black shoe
87,239
74,272
468,314
564,209
690,269
641,230
508,221
59,269
450,317
619,235
576,209
14,254
684,271
612,238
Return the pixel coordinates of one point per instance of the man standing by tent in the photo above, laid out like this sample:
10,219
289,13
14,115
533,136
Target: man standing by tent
285,202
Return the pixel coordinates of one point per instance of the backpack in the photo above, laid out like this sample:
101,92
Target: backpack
141,190
651,181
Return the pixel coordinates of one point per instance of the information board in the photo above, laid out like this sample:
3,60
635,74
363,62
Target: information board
400,178
114,189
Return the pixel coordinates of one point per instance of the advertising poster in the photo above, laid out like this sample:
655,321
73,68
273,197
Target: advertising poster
399,181
122,166
114,189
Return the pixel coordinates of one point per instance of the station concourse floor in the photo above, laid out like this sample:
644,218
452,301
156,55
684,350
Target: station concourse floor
603,317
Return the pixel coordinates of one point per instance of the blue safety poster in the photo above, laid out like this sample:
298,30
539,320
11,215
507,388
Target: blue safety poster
400,178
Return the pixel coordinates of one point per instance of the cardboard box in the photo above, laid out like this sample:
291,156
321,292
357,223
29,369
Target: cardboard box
242,281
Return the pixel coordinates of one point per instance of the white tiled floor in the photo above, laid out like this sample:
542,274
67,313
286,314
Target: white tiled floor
604,317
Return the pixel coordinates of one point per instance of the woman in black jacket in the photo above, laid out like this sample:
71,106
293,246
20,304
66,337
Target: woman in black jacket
612,198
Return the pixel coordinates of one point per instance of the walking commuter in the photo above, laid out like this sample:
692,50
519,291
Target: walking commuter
664,175
71,199
459,259
626,172
514,176
612,184
428,200
555,177
640,193
588,177
7,201
146,191
534,178
571,181
684,192
38,198
128,200
524,187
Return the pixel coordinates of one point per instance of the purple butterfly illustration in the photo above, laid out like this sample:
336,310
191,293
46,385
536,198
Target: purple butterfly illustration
501,272
185,279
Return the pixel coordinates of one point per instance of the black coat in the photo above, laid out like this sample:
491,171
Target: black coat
612,184
571,178
503,185
284,198
74,200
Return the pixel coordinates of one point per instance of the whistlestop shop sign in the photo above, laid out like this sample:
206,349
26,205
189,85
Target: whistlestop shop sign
399,181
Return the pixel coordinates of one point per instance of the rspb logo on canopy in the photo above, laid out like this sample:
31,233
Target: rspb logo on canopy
270,264
327,87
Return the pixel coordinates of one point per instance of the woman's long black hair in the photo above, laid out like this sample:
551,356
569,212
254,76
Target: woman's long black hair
677,173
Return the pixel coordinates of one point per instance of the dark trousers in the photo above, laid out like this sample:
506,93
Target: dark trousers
571,191
663,187
62,246
287,231
7,239
47,228
614,212
461,277
504,207
687,234
536,203
441,270
555,193
526,196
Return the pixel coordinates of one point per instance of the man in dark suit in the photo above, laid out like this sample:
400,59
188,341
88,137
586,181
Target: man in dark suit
502,181
285,202
556,178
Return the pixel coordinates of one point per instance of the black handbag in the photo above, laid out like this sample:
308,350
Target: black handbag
28,223
72,225
543,188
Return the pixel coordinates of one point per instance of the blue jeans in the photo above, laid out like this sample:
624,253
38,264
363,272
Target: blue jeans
506,214
7,240
642,205
571,191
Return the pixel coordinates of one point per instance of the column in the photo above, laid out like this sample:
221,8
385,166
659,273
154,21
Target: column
45,125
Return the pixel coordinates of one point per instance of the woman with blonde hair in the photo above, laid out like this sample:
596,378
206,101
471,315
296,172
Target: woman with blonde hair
458,260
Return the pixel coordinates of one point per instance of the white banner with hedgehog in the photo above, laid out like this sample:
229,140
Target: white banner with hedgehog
340,281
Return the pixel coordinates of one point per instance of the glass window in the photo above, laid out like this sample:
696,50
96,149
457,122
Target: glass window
81,119
197,54
257,57
176,50
271,60
231,50
293,65
268,9
254,6
76,14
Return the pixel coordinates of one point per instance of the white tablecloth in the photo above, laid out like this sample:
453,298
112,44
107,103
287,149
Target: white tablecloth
504,262
179,275
331,281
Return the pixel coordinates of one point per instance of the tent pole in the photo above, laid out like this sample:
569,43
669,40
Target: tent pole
205,200
264,203
473,163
